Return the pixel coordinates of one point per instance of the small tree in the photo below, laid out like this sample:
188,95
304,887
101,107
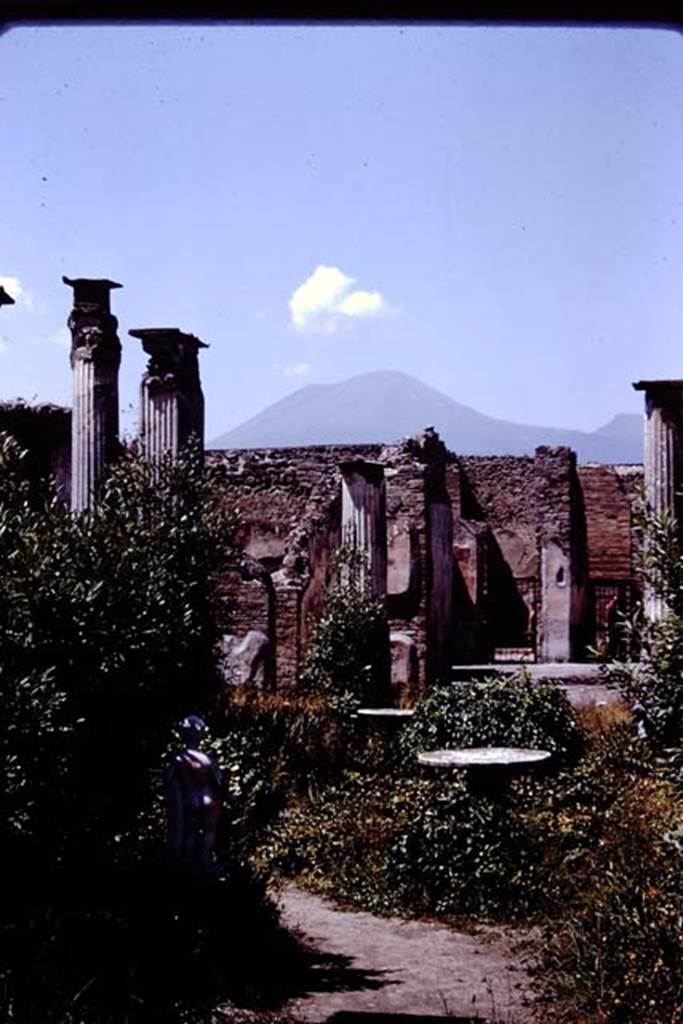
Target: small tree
655,681
107,635
348,652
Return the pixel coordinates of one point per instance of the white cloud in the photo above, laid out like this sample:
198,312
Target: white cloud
362,304
4,344
15,288
297,369
326,301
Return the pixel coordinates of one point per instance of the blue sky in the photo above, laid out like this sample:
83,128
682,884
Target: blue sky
498,211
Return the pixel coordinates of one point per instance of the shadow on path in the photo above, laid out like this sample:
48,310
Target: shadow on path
316,971
350,1017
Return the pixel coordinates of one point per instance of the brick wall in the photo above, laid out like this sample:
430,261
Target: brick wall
608,494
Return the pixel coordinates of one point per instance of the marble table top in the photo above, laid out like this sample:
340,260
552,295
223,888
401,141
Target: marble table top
482,757
386,712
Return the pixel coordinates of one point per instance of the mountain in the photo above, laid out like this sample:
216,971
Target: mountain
386,405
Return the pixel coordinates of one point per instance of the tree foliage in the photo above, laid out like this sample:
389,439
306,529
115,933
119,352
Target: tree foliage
654,680
106,636
349,646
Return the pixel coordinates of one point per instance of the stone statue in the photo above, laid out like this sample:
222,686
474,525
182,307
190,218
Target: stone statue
193,799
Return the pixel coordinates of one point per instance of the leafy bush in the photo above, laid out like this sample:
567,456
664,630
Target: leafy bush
276,749
107,634
508,710
409,846
107,638
654,682
348,650
616,957
563,817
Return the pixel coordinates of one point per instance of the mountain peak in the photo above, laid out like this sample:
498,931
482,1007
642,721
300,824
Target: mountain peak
384,405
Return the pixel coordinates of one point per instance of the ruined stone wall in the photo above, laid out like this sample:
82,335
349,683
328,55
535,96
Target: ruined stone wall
498,493
288,502
408,550
272,488
484,553
500,490
44,431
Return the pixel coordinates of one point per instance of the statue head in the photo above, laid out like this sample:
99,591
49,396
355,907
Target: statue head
192,729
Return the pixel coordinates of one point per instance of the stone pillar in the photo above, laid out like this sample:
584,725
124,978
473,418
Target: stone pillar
95,359
171,399
554,468
663,458
364,519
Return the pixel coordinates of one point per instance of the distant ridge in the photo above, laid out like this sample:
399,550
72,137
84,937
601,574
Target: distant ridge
386,405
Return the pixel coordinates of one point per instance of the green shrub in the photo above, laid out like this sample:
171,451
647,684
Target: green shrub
277,748
616,956
107,636
654,681
404,845
508,710
348,649
563,817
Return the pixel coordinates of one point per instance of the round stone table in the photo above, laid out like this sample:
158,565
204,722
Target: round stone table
385,726
488,768
386,714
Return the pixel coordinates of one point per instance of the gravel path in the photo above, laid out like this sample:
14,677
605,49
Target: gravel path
406,972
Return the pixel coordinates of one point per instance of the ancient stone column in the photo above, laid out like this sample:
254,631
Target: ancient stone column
171,399
95,359
364,520
562,550
663,459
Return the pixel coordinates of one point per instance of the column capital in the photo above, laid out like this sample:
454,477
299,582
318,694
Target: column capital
91,322
91,290
653,388
173,356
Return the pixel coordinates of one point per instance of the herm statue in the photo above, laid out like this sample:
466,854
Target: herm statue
193,799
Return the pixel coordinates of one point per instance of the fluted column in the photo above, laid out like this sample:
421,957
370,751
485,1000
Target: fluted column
95,360
171,399
364,521
663,459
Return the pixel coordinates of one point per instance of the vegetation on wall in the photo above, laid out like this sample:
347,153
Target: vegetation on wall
349,646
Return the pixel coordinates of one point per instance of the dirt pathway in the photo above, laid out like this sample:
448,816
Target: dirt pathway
406,971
